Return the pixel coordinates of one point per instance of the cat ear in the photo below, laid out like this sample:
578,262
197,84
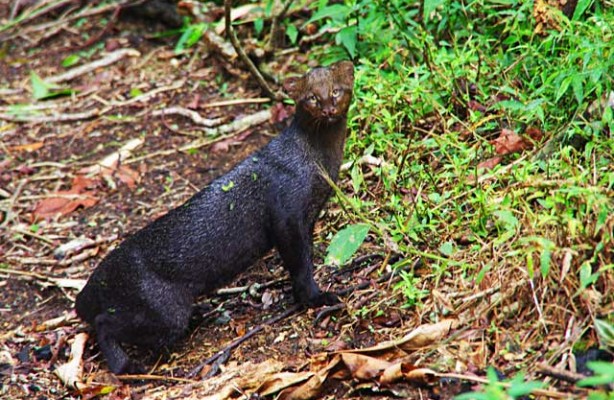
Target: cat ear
294,86
344,71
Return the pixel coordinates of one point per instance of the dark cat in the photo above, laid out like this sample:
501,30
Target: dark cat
142,292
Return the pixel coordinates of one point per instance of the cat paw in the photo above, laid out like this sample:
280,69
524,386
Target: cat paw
323,299
129,367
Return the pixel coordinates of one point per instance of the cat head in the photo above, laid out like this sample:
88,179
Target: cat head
323,94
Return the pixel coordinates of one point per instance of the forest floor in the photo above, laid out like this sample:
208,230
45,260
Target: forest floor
44,168
80,172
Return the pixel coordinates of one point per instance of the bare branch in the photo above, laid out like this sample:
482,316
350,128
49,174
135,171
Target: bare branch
243,56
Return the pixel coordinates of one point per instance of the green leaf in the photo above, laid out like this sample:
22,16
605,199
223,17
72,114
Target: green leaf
70,60
578,88
447,249
228,186
507,219
43,90
345,243
190,36
135,92
40,88
563,88
544,262
337,12
429,7
348,38
587,277
605,332
604,374
581,7
292,33
258,26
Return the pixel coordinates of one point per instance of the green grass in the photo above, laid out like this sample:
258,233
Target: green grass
431,96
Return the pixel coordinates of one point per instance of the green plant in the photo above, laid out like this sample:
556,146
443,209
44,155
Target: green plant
498,390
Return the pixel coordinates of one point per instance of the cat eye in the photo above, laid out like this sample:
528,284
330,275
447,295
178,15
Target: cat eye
313,100
336,93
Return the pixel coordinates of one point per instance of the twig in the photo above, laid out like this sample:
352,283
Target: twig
87,12
243,56
34,14
193,115
225,132
104,31
54,118
276,34
109,59
241,124
235,343
560,374
236,102
147,377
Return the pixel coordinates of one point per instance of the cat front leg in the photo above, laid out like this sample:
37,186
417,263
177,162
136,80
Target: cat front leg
294,243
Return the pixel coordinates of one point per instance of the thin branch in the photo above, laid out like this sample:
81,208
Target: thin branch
193,115
109,59
238,341
244,57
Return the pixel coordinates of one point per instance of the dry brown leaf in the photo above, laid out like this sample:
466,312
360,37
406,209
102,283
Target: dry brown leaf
224,145
312,387
109,164
510,142
364,367
70,373
409,373
26,147
238,13
282,380
67,203
490,163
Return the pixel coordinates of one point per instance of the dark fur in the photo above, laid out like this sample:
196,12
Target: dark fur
142,292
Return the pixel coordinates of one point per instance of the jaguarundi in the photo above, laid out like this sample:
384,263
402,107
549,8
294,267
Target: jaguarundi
143,291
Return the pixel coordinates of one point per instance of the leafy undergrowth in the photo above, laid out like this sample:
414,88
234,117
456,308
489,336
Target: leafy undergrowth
479,169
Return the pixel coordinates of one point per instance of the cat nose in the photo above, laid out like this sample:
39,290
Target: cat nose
329,111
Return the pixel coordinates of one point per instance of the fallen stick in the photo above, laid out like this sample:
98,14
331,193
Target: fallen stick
560,374
225,131
236,342
54,118
235,102
243,56
193,115
108,59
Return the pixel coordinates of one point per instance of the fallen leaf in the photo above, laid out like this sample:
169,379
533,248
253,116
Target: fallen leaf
509,142
475,106
111,165
409,373
26,147
281,112
193,105
238,13
490,163
66,203
282,380
364,367
312,387
224,145
422,336
70,372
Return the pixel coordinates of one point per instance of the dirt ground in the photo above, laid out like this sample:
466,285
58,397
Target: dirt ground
48,153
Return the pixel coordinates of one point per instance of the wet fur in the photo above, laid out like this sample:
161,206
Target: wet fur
143,291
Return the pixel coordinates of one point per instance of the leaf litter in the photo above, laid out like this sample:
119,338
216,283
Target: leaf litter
141,181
